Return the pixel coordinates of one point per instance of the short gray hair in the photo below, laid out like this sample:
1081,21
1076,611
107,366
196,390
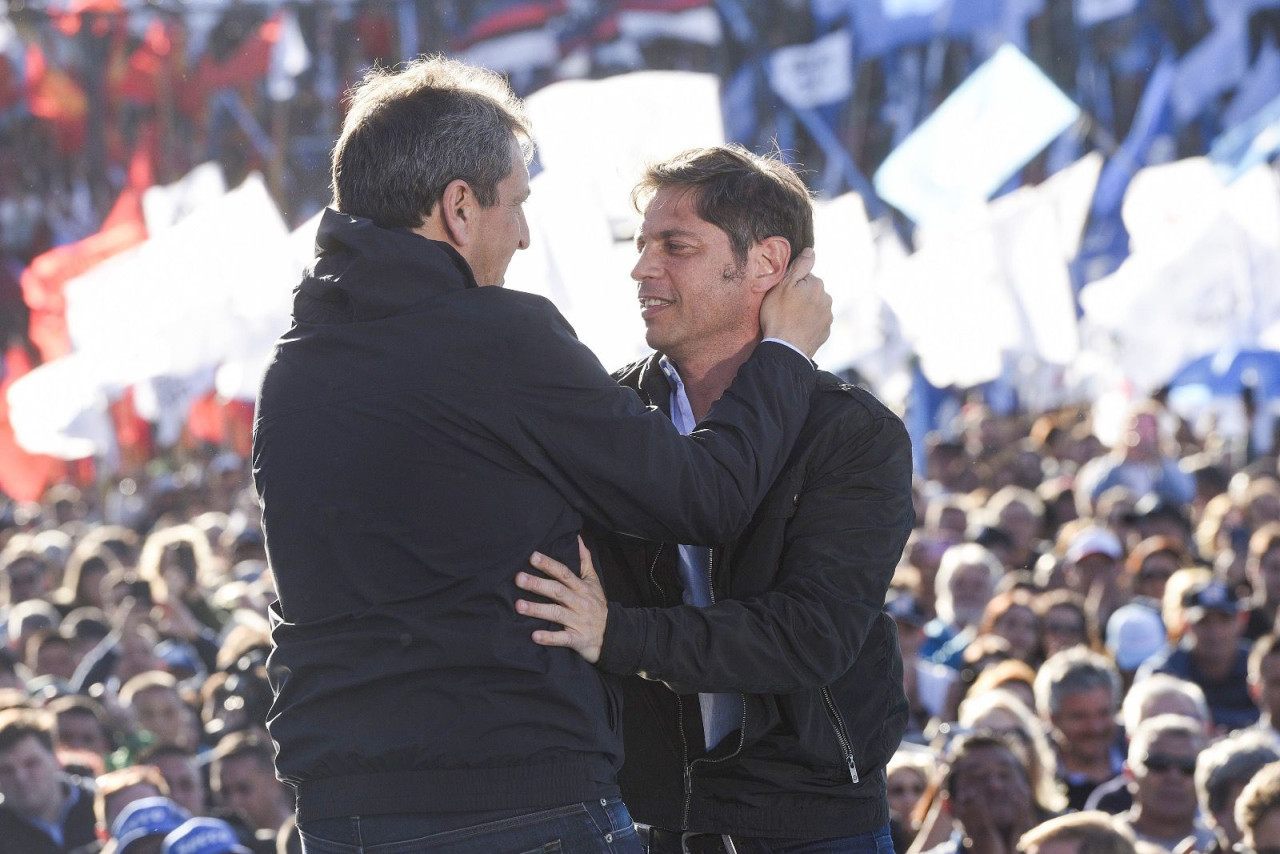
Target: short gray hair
411,131
1156,685
1074,671
952,561
1152,728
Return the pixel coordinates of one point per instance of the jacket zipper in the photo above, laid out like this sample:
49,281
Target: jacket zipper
684,744
688,766
653,572
837,723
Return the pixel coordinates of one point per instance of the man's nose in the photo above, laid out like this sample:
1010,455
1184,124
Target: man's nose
644,266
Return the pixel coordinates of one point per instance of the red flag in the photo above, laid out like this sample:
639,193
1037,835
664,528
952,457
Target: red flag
43,281
247,64
133,433
206,420
23,476
136,78
54,96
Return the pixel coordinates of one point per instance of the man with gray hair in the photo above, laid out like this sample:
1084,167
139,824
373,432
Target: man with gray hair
1162,764
420,433
1223,770
966,581
1078,695
1160,694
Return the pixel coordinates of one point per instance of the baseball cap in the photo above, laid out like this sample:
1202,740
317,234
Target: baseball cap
1208,596
203,836
1134,634
1091,541
146,817
903,605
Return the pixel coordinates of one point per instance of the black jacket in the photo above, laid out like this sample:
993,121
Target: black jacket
798,628
417,437
18,836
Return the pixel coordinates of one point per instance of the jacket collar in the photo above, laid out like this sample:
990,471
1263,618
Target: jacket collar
647,377
364,271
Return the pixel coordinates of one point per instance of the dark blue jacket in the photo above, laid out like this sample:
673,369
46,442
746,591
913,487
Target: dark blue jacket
417,437
1230,704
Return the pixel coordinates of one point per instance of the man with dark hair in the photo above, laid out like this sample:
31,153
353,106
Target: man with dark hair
420,432
181,770
44,811
243,777
988,794
1212,652
762,682
80,723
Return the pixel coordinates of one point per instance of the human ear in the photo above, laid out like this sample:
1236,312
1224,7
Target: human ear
457,212
768,261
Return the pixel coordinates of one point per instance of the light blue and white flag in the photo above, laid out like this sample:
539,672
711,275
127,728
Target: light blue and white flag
1245,146
977,139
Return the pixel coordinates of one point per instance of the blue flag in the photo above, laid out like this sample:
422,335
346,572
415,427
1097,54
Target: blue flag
1105,243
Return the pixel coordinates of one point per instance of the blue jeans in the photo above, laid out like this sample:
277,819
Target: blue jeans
876,842
592,827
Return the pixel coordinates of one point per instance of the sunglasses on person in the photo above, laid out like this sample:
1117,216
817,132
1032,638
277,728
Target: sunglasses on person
1159,763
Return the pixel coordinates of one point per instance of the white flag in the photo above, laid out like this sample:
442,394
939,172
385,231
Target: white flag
979,137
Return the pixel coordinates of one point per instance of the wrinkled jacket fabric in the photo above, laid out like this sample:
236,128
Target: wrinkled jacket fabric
417,438
799,629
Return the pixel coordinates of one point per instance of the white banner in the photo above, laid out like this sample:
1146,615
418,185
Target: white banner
164,206
1202,274
700,26
815,74
60,409
580,215
1005,113
1091,12
994,283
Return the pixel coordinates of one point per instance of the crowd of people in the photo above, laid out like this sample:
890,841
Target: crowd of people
1085,629
134,673
1101,621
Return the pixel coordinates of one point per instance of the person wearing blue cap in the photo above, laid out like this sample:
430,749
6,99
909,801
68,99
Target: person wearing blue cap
142,826
203,836
1211,651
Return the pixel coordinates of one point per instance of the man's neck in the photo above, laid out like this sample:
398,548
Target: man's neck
706,377
52,812
1213,668
1092,767
1160,827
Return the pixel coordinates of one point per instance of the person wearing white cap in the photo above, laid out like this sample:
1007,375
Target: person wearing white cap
1091,567
1134,634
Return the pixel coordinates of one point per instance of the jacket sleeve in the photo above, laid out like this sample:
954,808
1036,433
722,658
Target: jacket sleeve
839,554
626,467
